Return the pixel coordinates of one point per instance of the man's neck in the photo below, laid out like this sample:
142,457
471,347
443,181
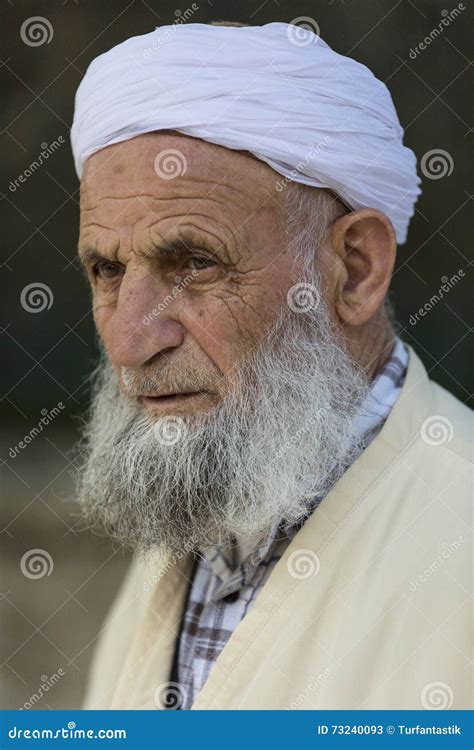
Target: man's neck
372,345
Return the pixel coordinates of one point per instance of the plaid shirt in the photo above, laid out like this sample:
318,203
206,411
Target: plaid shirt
227,580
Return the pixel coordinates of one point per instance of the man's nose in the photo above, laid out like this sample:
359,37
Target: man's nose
142,324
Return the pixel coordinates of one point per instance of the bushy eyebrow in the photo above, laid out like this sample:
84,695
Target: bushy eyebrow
167,249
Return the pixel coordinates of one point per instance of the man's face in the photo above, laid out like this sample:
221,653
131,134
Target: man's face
188,263
190,278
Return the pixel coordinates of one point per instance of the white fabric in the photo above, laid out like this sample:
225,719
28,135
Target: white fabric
277,91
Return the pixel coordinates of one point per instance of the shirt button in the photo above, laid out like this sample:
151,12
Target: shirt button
232,597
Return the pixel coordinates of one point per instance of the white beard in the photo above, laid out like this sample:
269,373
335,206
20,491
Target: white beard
283,435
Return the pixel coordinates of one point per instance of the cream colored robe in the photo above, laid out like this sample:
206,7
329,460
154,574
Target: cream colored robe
386,623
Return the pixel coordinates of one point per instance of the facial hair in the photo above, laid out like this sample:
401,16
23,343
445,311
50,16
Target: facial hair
279,438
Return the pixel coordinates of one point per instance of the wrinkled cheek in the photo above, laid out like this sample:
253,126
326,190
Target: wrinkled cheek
103,312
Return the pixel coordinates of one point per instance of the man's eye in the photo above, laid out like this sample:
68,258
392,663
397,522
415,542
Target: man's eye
200,262
106,269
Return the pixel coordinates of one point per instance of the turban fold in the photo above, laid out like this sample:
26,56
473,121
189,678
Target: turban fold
278,91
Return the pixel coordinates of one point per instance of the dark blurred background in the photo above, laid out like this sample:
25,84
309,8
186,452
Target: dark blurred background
51,613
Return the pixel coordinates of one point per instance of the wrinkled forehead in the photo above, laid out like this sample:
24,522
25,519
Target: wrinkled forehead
169,163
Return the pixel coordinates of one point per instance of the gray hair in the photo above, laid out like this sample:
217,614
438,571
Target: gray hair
309,213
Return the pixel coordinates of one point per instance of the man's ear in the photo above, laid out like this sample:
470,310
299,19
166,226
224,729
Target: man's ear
364,247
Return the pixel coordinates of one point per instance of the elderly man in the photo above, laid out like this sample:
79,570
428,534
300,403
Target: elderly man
294,486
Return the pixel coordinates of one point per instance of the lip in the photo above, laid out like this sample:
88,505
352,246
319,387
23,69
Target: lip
170,398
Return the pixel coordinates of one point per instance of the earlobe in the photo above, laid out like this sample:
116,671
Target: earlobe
365,245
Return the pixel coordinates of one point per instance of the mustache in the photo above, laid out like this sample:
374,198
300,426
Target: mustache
138,382
195,376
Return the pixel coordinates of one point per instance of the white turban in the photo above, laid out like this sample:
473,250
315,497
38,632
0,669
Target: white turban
277,91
